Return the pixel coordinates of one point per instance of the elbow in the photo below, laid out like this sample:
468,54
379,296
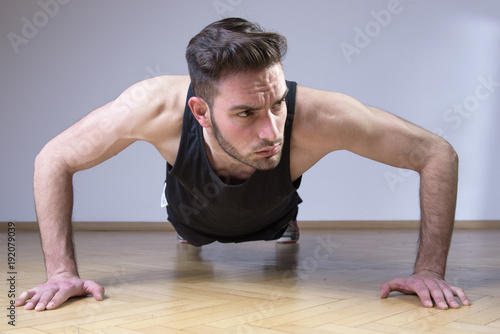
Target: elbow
444,158
455,158
43,158
48,161
450,154
440,156
40,160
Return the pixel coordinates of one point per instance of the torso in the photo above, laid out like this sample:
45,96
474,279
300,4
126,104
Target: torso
203,200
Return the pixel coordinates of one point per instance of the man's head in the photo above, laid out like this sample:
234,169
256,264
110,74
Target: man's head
239,89
227,47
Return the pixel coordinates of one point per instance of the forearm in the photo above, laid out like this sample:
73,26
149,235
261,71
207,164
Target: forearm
53,192
438,192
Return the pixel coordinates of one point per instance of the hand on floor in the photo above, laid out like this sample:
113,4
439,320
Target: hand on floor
428,286
57,290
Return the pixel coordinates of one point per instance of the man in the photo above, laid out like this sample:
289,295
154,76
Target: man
236,151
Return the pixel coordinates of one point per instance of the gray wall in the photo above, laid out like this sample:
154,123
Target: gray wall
434,63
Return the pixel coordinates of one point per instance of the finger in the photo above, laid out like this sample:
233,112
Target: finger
95,289
459,292
45,299
423,292
397,284
59,298
437,294
450,297
385,290
33,301
26,295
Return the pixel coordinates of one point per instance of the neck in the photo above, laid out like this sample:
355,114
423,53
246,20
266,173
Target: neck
230,170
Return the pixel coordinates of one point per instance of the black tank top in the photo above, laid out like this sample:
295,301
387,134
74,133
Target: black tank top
199,200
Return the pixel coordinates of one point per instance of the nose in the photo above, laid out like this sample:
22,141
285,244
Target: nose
269,127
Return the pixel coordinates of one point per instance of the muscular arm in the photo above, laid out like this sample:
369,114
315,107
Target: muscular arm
370,132
97,137
53,192
437,163
438,193
82,146
55,165
54,201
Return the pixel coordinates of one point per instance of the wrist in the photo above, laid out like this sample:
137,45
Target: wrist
63,275
428,273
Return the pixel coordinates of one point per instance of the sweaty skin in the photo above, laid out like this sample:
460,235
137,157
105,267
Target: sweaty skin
242,133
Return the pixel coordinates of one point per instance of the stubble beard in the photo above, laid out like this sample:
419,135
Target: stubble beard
262,164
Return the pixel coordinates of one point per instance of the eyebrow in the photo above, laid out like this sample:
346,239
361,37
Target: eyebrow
253,108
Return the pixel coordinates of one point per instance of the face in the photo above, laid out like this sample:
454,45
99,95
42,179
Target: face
248,117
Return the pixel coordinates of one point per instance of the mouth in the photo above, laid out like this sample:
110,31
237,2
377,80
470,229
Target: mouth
269,151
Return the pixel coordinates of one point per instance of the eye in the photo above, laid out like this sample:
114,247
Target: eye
278,105
245,113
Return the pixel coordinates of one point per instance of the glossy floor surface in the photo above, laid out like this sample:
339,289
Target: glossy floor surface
328,283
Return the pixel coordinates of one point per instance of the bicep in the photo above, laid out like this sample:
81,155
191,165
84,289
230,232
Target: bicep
389,139
142,112
334,121
95,138
107,130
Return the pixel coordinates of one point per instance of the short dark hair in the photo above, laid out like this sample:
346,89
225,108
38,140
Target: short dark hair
230,46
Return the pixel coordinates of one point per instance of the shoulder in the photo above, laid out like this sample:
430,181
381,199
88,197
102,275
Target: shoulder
323,122
163,94
328,118
154,109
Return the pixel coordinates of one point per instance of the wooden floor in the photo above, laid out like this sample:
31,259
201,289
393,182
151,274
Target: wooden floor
328,283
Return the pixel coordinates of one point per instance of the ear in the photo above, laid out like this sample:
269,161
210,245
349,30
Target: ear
200,111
